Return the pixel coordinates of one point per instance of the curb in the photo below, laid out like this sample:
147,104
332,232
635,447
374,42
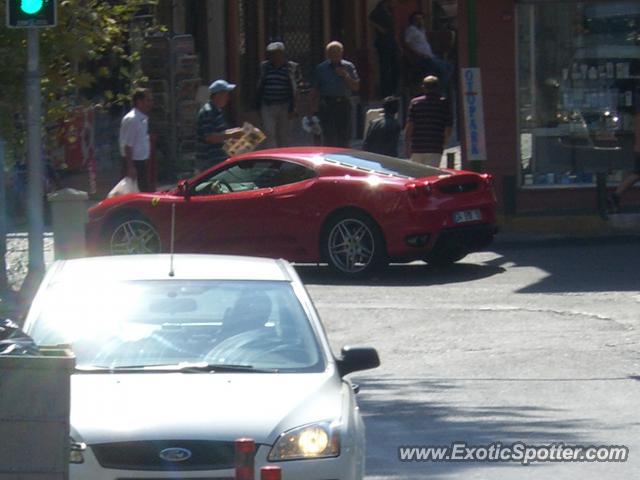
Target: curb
514,240
562,229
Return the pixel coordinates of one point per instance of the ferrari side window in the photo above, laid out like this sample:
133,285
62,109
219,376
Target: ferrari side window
293,173
252,175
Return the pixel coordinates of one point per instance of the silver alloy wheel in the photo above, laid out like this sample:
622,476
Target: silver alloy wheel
134,236
351,245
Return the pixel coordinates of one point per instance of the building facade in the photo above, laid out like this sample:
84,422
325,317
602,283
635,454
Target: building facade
547,88
560,89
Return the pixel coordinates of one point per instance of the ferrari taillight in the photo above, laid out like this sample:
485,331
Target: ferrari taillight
488,181
419,189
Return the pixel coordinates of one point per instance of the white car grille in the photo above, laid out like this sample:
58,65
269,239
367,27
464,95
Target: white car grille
146,455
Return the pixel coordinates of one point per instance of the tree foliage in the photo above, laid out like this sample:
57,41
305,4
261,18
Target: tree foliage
87,58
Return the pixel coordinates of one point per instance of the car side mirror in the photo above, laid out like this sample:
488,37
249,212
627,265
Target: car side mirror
183,189
354,359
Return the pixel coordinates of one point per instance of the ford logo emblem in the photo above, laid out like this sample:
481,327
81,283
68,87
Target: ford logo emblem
175,454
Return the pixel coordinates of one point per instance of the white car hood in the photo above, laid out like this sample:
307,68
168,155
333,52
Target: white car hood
178,406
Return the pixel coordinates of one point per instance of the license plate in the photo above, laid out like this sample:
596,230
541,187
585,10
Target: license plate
467,216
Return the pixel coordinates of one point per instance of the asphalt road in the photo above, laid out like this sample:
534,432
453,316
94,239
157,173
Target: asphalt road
534,344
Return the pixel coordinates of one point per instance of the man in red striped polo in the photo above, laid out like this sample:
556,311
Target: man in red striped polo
429,124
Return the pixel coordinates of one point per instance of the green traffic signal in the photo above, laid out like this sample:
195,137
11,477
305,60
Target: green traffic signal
31,13
31,6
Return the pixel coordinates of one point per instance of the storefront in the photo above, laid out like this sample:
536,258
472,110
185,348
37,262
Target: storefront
560,87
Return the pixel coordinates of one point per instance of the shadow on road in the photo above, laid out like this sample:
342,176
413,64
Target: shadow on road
580,266
414,274
408,412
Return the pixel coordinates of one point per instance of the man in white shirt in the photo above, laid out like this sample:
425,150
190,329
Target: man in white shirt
134,138
415,37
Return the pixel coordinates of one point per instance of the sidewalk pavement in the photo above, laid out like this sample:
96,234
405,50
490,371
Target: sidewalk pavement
17,260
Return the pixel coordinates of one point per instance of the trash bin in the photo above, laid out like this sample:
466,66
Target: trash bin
34,415
69,215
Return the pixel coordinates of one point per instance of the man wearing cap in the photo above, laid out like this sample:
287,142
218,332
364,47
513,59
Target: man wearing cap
334,81
212,127
277,95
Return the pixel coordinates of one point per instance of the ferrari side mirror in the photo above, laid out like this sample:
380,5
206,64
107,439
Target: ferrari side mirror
183,189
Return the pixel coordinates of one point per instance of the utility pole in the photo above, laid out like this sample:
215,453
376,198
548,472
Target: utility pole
4,284
34,155
32,15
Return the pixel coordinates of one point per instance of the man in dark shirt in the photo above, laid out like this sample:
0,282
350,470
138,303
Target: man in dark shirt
381,17
277,96
212,127
334,81
429,124
383,134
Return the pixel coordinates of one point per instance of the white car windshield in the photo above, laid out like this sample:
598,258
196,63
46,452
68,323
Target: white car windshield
248,325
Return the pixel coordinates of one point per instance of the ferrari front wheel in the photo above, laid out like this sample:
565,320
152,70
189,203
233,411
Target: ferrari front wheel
353,244
132,235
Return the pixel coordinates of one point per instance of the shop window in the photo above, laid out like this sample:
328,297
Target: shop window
578,78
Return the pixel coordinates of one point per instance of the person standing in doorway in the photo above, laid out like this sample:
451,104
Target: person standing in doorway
415,38
429,124
212,127
277,96
381,17
134,141
334,81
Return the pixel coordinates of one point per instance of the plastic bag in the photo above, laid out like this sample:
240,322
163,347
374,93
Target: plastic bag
13,341
312,125
123,187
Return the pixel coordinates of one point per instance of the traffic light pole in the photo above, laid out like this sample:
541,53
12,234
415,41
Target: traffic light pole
34,155
4,284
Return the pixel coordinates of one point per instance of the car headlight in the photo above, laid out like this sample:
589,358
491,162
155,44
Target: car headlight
317,440
76,451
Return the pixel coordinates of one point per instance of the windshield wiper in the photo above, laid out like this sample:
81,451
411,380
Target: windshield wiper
223,367
199,367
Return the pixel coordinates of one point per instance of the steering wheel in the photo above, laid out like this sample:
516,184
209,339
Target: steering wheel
220,186
292,352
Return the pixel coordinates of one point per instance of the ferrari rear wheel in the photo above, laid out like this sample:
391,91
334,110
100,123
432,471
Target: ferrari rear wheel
132,235
353,244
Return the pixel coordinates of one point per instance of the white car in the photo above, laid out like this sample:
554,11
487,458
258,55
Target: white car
176,359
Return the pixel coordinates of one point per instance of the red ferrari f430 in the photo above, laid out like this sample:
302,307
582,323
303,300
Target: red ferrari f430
354,210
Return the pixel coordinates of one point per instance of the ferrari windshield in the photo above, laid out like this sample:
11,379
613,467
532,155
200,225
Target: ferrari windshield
384,165
258,325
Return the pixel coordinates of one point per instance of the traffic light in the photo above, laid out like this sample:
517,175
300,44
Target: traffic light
31,13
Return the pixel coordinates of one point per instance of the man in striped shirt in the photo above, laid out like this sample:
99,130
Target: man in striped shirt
277,95
213,130
429,125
